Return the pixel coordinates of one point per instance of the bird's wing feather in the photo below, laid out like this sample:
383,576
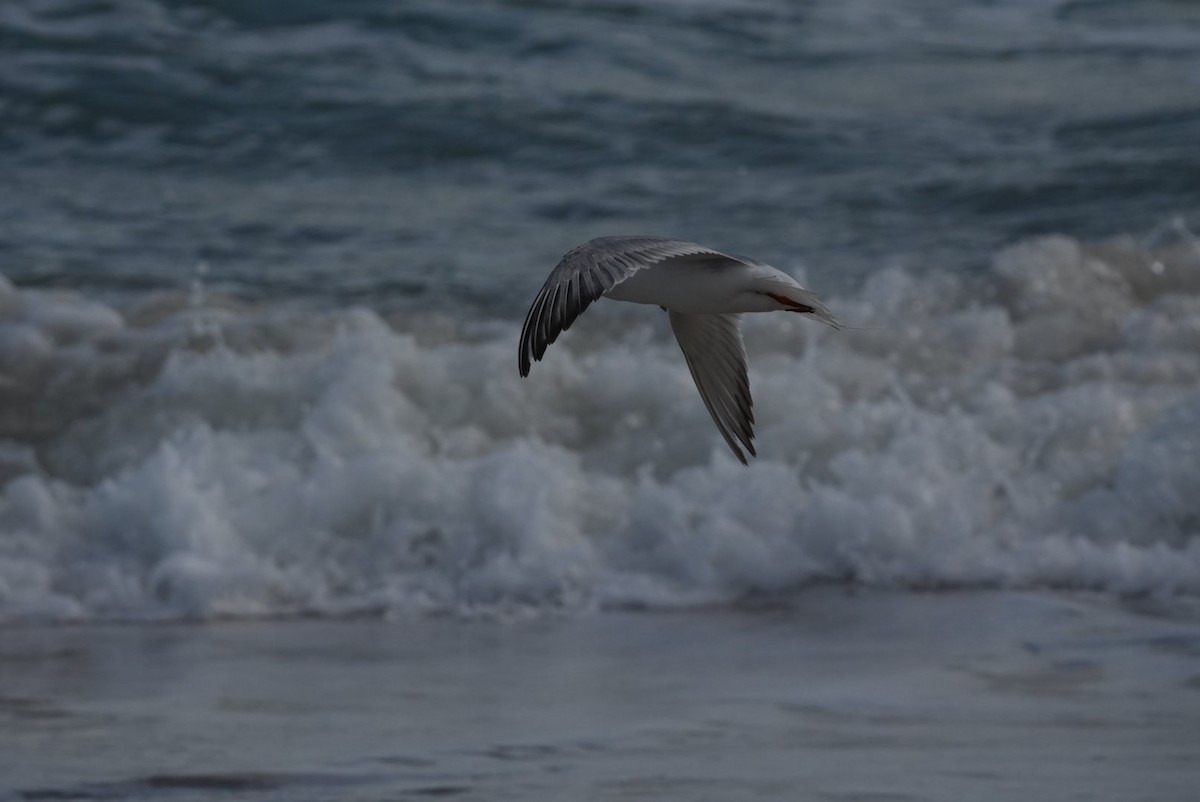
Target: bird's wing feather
716,356
585,274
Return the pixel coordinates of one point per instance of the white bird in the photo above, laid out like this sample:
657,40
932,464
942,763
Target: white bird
704,293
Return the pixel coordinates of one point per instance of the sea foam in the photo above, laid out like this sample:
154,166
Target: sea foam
1034,426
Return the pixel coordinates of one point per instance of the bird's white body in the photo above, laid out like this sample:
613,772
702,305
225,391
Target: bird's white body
704,291
698,288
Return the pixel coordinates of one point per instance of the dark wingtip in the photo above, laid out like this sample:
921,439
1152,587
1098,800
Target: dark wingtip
737,452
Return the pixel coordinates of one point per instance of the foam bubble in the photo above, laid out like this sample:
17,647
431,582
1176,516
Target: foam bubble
1035,426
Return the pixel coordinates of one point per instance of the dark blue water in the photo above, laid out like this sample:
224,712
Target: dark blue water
404,153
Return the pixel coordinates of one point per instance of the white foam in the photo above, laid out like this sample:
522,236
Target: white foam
1036,426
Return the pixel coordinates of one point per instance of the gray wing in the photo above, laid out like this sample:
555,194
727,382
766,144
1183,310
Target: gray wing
585,274
716,356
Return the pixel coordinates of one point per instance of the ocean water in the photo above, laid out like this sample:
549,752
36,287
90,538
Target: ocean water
265,267
262,271
418,154
876,696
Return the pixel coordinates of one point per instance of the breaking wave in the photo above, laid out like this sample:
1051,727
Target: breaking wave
177,457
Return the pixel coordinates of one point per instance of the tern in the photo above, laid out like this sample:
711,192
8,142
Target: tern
704,293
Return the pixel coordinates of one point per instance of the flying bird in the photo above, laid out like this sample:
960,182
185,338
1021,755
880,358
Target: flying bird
704,293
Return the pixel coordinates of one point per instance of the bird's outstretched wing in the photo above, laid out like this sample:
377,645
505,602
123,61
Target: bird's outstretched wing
585,274
716,356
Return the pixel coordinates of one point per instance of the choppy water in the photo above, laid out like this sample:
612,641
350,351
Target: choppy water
265,265
448,153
